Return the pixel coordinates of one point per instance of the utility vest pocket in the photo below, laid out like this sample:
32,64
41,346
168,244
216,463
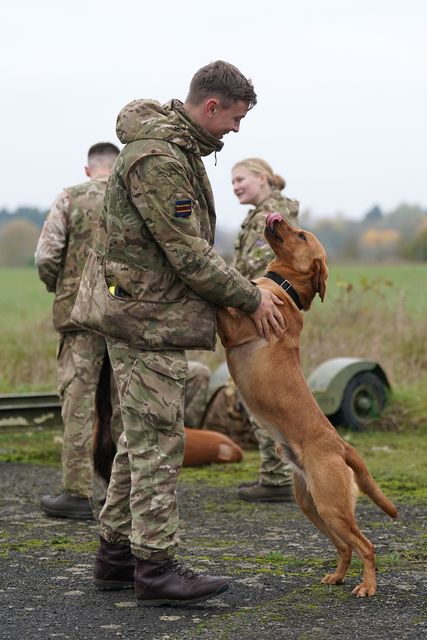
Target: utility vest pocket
187,323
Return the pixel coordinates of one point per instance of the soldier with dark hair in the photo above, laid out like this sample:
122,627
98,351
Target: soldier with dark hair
152,284
61,254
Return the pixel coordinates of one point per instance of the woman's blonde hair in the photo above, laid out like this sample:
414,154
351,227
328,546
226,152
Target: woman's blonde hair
261,167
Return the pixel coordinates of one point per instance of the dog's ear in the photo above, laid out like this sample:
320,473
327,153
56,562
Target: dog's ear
320,277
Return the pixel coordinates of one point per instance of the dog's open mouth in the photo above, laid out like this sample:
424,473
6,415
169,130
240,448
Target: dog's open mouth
271,223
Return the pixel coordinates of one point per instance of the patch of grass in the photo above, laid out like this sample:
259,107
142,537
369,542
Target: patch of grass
223,475
63,542
31,446
58,543
277,564
406,411
22,546
396,460
211,543
27,340
376,313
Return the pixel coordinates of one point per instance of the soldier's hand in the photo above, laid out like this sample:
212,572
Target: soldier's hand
268,316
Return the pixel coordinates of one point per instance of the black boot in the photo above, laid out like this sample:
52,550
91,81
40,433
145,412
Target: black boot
114,566
258,492
168,582
67,506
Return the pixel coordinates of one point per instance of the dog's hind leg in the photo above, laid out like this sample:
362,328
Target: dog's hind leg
306,503
332,491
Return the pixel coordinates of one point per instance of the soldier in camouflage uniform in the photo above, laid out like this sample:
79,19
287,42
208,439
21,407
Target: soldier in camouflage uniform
254,183
61,254
151,285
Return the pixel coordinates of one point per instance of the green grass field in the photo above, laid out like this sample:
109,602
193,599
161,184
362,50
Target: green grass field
27,338
24,300
374,311
391,284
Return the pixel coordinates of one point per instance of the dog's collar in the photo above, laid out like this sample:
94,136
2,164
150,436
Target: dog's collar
286,286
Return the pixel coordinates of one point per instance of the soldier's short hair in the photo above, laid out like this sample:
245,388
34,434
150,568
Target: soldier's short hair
223,80
102,153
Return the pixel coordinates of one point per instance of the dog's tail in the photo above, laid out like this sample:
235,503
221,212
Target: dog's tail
104,448
365,481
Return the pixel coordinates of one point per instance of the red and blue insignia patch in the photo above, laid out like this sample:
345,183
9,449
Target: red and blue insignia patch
183,208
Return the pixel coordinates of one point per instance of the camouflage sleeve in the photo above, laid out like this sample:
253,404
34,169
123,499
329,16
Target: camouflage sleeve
254,252
52,244
158,186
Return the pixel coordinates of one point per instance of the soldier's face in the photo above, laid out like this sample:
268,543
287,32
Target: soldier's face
248,186
222,120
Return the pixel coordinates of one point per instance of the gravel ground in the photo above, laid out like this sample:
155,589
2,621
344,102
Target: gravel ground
273,557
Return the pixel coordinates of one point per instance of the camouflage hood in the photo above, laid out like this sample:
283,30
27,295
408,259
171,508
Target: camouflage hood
148,119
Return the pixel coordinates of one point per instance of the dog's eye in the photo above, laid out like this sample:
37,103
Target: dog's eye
302,236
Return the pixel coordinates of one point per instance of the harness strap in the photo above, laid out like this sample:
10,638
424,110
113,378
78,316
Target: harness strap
286,286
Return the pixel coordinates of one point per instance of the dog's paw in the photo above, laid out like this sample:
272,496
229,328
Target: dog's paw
362,590
332,578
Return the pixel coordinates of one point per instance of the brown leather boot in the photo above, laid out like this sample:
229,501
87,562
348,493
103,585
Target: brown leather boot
114,566
168,582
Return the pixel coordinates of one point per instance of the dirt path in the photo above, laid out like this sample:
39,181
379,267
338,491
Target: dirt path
273,557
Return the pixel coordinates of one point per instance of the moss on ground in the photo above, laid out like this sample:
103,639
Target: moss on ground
57,543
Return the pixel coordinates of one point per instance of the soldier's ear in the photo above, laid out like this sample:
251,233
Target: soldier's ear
88,172
211,106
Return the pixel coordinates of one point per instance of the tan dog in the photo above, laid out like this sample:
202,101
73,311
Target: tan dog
327,471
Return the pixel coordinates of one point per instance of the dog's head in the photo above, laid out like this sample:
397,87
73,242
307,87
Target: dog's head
298,254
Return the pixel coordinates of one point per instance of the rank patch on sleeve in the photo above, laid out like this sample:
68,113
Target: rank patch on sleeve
183,208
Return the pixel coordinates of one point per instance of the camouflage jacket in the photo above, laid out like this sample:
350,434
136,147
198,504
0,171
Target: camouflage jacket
155,239
252,253
64,244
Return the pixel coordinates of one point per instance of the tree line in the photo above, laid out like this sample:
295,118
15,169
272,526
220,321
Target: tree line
400,234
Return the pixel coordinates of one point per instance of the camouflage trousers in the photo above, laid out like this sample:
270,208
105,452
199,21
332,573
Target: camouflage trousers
79,361
141,504
272,469
196,391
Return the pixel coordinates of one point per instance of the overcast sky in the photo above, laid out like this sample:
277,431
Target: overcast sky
342,89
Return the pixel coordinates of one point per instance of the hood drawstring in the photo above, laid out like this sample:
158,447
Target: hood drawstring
215,158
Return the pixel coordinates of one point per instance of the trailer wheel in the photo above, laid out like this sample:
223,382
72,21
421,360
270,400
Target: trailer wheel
364,398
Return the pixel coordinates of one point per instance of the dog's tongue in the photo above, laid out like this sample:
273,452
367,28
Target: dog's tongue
272,218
